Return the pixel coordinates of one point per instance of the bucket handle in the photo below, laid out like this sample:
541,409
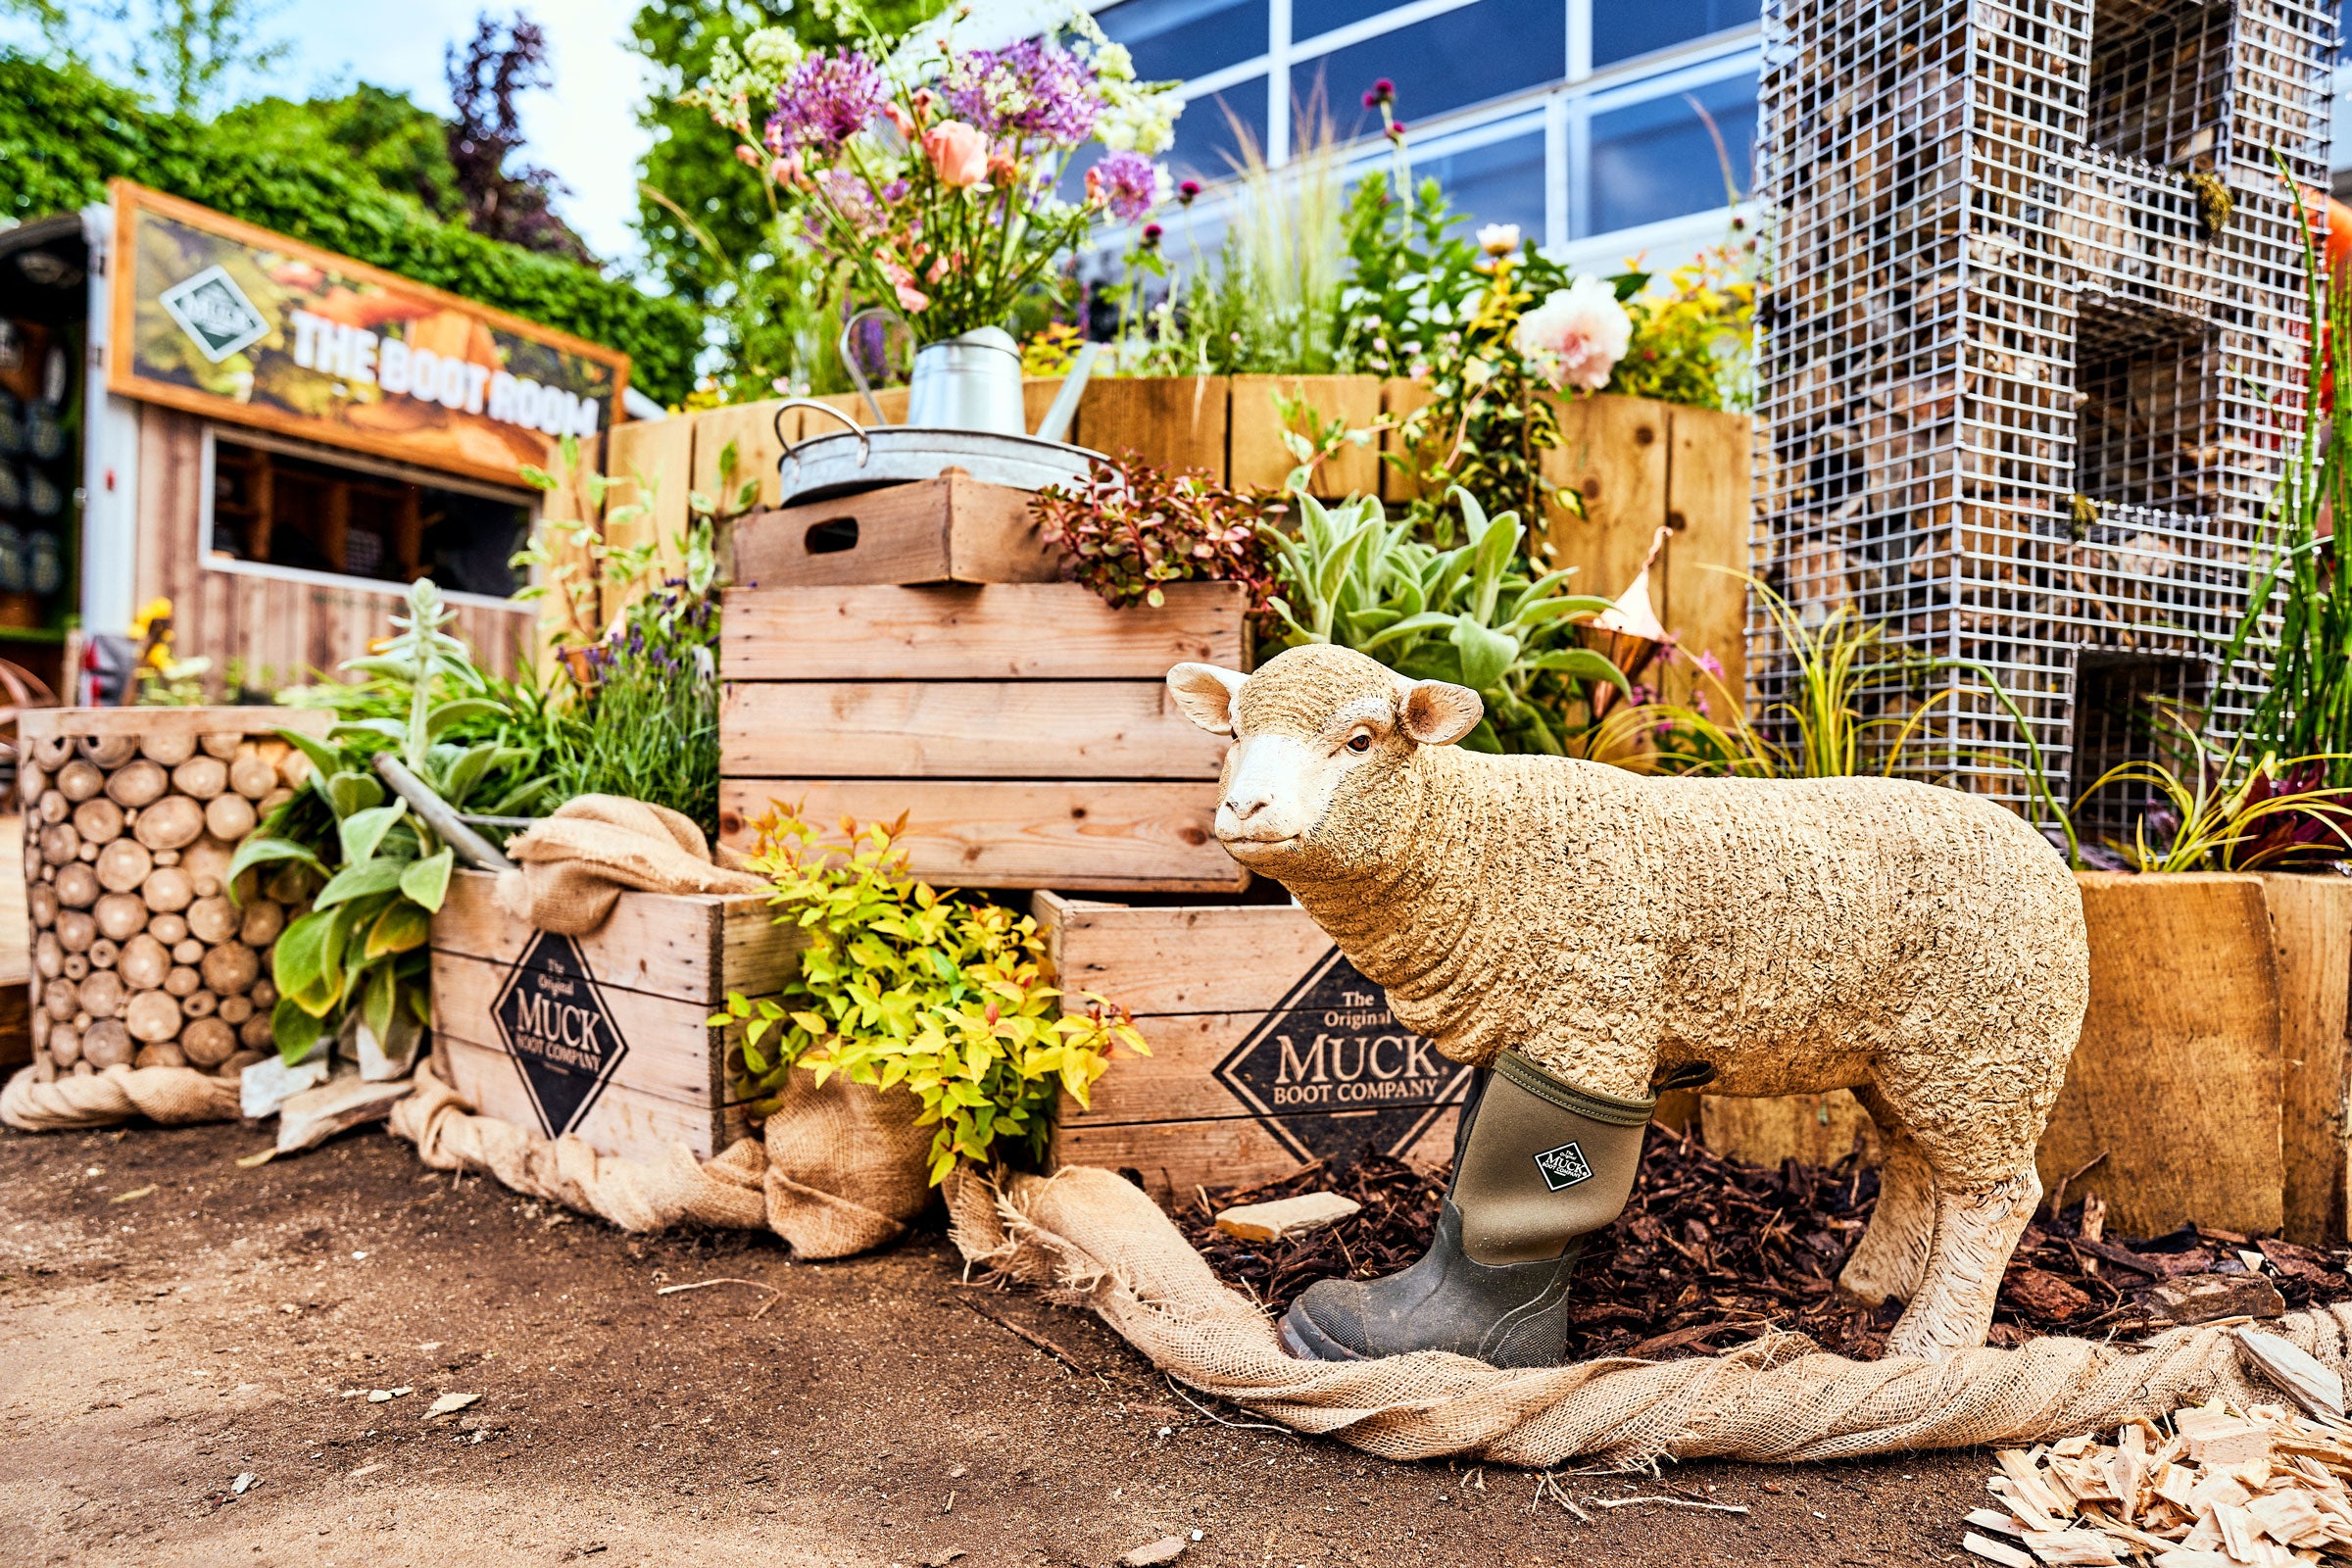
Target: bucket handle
848,360
791,452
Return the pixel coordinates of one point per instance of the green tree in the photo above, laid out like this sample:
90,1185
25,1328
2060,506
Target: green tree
186,53
372,131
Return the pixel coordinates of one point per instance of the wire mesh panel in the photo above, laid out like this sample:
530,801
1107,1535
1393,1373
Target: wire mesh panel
2032,356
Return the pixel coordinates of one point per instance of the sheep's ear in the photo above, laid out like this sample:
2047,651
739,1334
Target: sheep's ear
1435,712
1206,694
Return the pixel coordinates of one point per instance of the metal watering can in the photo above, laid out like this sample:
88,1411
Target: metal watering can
972,382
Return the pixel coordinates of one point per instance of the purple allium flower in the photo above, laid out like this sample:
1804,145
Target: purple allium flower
1128,182
1027,90
827,100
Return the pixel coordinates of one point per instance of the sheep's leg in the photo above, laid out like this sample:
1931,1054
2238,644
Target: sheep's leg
1892,1253
1975,1230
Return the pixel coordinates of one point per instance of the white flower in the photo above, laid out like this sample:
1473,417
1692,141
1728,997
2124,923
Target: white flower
1136,122
1577,336
1498,239
1112,63
774,50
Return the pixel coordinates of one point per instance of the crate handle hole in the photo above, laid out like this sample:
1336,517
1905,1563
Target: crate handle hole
832,537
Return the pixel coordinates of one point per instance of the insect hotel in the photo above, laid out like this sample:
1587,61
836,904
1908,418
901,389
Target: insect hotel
2038,267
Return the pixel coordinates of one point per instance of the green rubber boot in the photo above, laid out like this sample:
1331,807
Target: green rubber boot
1538,1166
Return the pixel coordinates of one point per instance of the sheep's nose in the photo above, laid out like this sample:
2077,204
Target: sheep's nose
1244,806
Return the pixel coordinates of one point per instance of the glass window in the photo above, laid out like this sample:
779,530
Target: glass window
1456,60
292,511
1624,29
1311,19
1656,159
1174,40
1205,138
1501,182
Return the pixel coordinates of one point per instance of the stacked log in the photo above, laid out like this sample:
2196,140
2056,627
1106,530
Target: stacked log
142,953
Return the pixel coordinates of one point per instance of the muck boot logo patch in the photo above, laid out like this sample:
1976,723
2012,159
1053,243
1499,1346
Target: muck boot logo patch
1563,1166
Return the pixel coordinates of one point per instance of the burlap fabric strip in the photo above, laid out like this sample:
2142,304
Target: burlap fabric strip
174,1096
576,863
841,1169
1097,1240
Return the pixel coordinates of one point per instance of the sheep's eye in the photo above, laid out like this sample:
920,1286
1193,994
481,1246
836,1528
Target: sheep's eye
1360,741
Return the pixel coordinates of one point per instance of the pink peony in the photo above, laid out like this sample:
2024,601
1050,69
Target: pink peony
1576,337
957,152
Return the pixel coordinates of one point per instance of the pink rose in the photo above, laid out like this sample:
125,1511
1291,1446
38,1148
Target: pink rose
900,119
957,152
1577,336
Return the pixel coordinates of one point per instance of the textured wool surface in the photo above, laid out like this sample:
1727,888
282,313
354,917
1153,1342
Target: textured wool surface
1795,935
173,1095
1099,1242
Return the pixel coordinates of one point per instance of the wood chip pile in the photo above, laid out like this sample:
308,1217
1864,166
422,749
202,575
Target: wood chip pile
2214,1487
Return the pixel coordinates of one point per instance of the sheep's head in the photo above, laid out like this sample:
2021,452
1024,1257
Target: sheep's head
1321,736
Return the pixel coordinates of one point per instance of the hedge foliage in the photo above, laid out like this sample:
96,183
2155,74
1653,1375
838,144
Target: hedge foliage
64,133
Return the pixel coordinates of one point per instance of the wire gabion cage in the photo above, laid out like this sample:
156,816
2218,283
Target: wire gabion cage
2033,357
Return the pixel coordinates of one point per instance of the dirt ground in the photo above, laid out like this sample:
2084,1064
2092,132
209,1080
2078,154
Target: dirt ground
170,1323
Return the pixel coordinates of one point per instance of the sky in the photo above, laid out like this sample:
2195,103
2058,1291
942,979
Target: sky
584,129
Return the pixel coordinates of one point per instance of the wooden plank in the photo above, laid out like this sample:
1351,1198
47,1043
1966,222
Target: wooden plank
655,456
624,1121
691,947
1399,396
949,529
568,502
1815,1129
1182,958
1176,422
1126,836
1707,505
2178,1079
1260,459
891,399
1001,631
1613,452
2311,930
752,427
1102,729
1174,1158
47,723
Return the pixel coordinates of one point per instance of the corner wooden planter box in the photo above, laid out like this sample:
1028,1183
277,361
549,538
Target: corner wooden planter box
2212,1079
604,1037
1268,1049
1025,729
949,529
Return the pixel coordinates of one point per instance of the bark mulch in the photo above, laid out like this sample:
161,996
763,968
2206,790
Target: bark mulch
1709,1252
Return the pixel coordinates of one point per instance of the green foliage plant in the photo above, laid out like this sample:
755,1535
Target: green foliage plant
1471,615
1131,528
362,945
2222,813
901,987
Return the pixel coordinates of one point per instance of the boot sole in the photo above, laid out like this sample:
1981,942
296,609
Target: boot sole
1302,1341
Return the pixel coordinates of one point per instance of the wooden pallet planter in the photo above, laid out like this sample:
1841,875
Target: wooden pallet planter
139,954
949,529
2214,1073
1024,728
604,1037
1268,1049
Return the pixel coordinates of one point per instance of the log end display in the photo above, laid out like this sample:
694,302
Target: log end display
141,953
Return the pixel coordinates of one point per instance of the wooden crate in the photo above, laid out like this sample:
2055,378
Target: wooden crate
605,1037
1268,1049
949,529
1025,728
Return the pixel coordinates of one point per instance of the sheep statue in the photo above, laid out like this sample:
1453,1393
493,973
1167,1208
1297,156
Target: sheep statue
1592,935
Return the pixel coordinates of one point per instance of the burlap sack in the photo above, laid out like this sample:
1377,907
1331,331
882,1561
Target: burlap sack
1105,1244
577,863
173,1095
841,1171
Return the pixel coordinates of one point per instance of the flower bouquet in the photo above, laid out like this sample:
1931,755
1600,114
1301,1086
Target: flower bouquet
929,173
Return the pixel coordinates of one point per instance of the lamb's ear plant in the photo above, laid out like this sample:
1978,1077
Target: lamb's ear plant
1471,615
903,987
384,873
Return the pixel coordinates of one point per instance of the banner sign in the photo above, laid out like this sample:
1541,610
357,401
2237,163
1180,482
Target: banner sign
221,318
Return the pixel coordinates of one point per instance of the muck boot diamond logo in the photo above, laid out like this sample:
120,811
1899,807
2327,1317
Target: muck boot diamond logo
215,313
555,1027
1329,1069
1563,1167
